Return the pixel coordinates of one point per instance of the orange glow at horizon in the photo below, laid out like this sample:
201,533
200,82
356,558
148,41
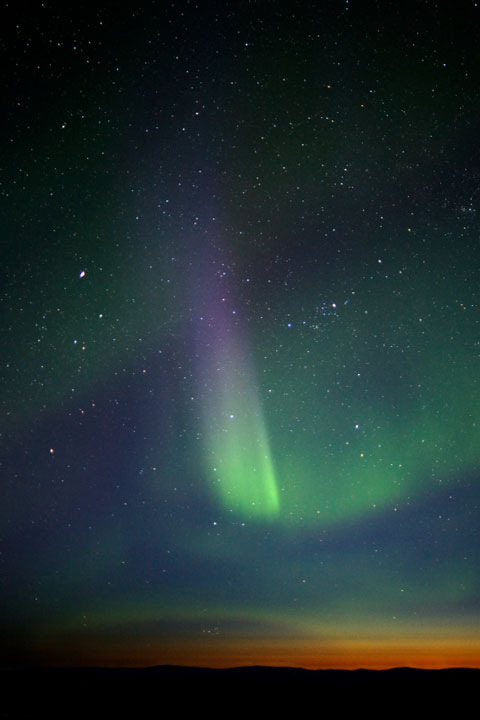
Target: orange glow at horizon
223,653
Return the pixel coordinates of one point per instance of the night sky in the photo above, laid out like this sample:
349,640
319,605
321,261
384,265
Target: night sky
240,357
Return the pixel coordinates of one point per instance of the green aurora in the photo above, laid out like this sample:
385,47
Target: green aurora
241,350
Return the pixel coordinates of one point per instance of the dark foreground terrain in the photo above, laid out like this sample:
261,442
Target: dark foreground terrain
163,691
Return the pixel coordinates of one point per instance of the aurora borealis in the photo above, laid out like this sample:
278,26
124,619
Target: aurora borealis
237,455
240,356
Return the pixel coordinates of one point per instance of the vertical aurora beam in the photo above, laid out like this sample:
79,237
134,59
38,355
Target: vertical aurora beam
236,451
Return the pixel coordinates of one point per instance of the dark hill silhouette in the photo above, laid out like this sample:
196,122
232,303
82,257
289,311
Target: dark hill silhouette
127,693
